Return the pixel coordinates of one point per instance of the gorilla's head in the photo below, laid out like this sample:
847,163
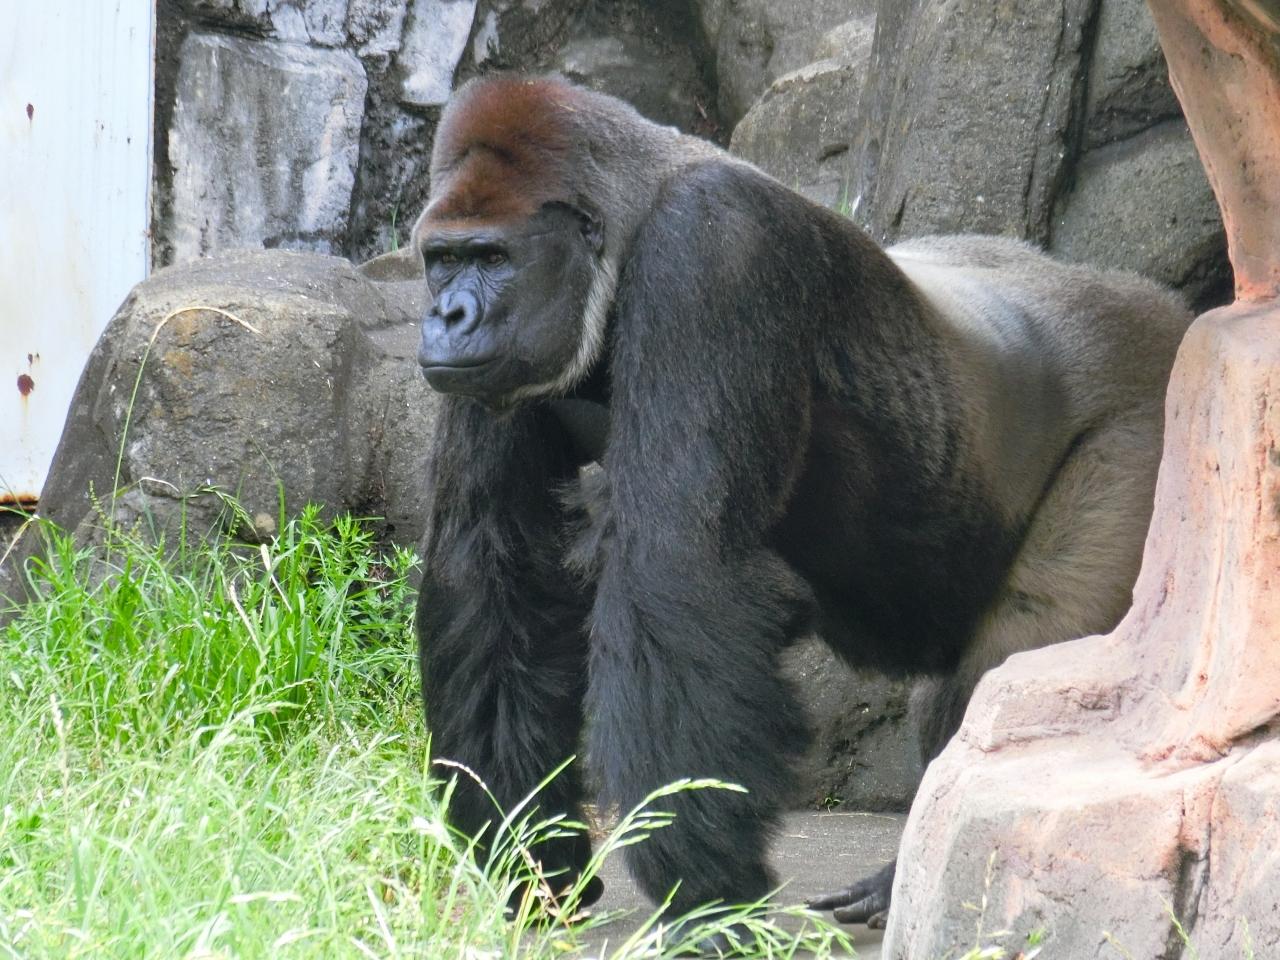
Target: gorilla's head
514,251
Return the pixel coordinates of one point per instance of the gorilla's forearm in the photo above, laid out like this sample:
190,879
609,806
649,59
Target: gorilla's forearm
675,695
500,625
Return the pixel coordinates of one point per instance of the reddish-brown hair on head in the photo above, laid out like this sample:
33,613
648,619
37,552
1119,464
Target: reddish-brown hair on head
504,147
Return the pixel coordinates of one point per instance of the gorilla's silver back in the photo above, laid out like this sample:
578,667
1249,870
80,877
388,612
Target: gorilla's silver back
1045,350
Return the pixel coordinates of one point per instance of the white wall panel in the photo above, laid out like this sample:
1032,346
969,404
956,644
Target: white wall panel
75,165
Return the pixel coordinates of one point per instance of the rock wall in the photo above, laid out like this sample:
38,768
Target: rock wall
1050,120
307,124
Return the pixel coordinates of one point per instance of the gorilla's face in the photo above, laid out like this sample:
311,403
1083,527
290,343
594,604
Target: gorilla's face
509,302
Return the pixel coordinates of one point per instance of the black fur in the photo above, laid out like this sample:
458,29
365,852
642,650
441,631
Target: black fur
501,626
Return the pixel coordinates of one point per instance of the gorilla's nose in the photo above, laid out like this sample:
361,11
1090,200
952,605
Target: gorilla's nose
458,309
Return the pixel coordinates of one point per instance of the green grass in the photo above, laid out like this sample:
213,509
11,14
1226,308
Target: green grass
216,750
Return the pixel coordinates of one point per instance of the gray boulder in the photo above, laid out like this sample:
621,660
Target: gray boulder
801,129
645,53
850,40
1144,204
757,41
1138,197
434,40
256,373
264,143
644,56
968,113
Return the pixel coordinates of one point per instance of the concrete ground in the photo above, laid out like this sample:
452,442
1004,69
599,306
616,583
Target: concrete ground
816,853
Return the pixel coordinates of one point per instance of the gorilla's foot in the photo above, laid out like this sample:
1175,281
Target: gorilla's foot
732,941
593,891
866,901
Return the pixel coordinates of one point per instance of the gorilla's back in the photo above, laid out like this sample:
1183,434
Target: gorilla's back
1043,350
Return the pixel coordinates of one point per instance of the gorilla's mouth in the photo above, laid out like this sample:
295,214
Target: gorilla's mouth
454,363
456,374
464,364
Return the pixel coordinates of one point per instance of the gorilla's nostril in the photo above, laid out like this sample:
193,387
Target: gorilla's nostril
455,316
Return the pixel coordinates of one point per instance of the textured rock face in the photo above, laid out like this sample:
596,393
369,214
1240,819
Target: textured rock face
433,44
219,140
800,129
757,41
1124,788
1049,120
375,26
1056,124
320,399
1128,83
265,141
298,21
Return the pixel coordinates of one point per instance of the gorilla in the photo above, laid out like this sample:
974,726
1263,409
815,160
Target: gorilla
930,456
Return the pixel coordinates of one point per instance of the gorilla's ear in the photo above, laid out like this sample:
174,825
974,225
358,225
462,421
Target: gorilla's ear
589,221
593,228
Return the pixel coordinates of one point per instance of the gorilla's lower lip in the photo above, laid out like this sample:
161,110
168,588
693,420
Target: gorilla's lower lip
444,366
465,376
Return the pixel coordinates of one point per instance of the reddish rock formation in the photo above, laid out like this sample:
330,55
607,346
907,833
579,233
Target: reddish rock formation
1100,788
1224,63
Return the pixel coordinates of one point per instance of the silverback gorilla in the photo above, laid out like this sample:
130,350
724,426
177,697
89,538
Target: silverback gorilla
931,457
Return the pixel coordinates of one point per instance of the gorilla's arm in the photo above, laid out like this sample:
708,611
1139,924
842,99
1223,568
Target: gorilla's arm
712,391
500,625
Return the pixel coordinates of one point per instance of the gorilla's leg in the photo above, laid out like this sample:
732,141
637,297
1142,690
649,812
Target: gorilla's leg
501,628
1073,577
684,683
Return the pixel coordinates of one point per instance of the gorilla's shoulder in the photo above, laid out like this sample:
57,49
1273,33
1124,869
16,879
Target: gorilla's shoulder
729,201
708,183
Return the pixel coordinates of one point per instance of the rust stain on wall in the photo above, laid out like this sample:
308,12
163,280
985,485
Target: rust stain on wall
25,384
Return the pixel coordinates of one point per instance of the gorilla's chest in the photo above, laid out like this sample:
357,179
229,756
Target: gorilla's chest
586,422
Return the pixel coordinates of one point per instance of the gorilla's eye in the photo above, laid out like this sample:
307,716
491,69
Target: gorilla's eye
448,259
495,258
